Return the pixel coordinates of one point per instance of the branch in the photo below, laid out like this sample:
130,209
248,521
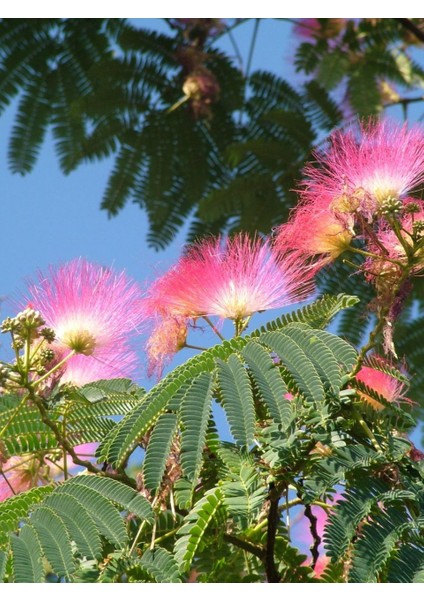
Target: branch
313,528
245,545
410,26
66,445
273,517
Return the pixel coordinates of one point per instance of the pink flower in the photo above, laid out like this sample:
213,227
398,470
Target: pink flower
387,386
21,473
361,169
167,338
314,233
231,279
312,29
93,312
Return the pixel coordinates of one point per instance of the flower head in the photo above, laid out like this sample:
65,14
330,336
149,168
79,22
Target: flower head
93,312
231,279
314,233
386,386
361,170
167,338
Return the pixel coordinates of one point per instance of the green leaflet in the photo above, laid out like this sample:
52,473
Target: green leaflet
196,524
161,565
27,556
195,413
16,508
237,399
269,382
158,450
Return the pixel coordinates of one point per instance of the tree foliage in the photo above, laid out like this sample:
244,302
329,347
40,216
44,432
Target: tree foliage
166,495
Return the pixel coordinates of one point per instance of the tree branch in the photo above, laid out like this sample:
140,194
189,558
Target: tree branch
410,26
245,545
273,517
67,446
314,532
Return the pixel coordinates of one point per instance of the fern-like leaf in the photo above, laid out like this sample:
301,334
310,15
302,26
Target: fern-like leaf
194,529
195,413
237,399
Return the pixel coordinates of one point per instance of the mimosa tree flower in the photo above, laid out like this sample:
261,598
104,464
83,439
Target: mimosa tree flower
167,338
93,312
363,169
21,473
231,279
313,233
386,386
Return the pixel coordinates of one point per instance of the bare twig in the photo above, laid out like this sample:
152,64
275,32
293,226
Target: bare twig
410,26
314,548
272,573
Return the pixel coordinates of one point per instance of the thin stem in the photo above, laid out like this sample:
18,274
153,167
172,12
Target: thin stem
373,236
375,256
62,441
367,430
314,548
140,529
410,26
258,551
8,483
397,230
166,535
214,329
273,517
193,347
177,104
252,47
152,543
55,368
235,46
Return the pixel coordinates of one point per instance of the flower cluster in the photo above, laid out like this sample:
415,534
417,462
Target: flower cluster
230,279
92,311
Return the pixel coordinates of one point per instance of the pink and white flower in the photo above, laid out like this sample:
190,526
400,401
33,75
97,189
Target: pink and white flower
363,168
231,279
93,312
386,385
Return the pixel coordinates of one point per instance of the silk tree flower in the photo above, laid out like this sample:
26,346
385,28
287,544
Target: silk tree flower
231,279
314,233
363,169
22,473
93,312
167,338
386,386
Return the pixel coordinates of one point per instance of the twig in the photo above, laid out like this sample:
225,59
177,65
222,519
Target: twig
258,551
66,445
273,517
314,548
410,26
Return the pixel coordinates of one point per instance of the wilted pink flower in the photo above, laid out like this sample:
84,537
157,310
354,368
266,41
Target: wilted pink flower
93,312
361,170
231,279
167,338
387,386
